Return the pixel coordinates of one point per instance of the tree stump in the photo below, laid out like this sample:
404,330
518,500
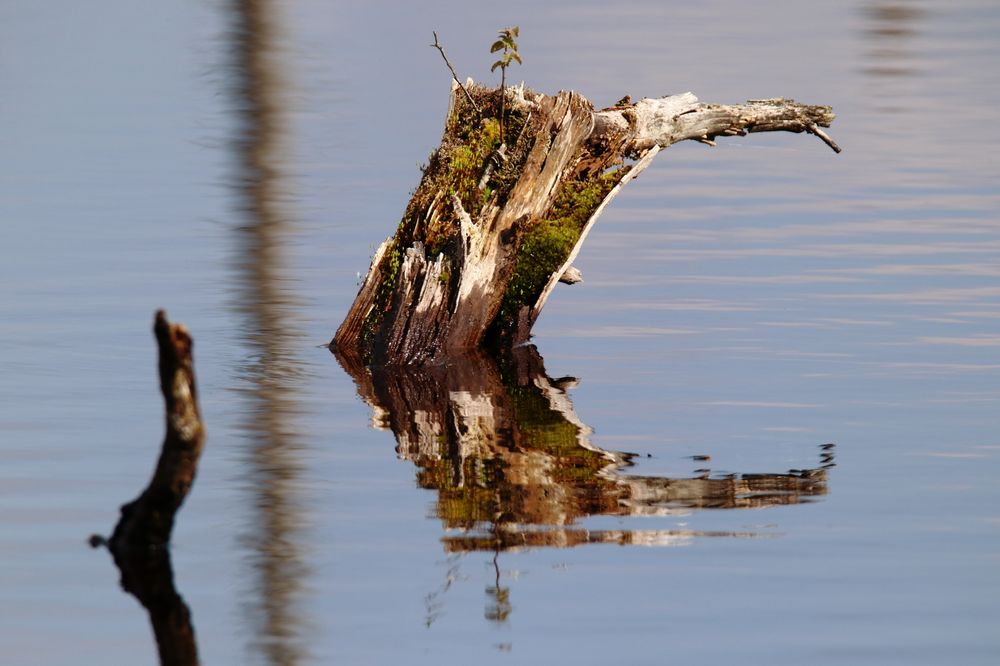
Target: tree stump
497,220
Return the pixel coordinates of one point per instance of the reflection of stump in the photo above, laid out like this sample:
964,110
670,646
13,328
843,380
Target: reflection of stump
502,445
139,542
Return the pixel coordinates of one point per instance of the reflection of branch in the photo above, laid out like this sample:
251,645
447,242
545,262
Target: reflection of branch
139,542
149,577
499,607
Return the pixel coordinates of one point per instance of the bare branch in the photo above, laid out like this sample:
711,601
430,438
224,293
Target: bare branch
667,120
149,519
440,48
825,137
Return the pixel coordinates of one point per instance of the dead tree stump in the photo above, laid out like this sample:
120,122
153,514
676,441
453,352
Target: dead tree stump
497,220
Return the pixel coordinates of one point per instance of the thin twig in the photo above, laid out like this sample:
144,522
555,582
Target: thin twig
814,129
440,48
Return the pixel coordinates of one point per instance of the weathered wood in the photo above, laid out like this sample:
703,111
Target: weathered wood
669,120
484,240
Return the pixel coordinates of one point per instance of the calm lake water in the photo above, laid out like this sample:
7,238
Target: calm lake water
237,163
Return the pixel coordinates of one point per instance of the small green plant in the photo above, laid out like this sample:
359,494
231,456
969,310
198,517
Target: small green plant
506,44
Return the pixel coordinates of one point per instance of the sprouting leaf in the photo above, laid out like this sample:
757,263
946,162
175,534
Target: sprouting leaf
515,30
498,63
516,57
497,45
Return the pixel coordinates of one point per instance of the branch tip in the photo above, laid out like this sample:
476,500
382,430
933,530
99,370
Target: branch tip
814,129
437,45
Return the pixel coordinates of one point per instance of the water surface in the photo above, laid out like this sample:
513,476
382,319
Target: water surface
656,488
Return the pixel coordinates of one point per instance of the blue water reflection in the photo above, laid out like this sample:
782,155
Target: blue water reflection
748,302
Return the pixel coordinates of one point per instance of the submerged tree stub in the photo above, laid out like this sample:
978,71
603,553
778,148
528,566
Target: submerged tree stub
497,221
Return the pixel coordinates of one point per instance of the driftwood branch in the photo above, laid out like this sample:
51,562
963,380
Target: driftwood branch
139,541
482,245
668,120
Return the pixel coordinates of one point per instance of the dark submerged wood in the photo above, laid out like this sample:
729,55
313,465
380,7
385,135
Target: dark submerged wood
148,520
139,543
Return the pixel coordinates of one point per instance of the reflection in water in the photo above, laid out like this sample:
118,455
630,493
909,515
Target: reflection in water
499,607
891,27
148,575
514,467
270,370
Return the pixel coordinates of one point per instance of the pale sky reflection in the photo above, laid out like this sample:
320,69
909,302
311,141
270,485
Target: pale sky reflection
931,366
620,332
828,324
787,429
971,341
762,404
687,306
940,296
761,279
969,269
829,250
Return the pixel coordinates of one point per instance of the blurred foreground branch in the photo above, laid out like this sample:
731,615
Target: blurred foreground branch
139,541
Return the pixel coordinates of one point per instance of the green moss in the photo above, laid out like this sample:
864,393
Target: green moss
467,160
389,268
547,243
457,165
577,200
482,493
545,246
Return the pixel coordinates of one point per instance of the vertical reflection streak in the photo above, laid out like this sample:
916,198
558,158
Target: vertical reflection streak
270,370
891,57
